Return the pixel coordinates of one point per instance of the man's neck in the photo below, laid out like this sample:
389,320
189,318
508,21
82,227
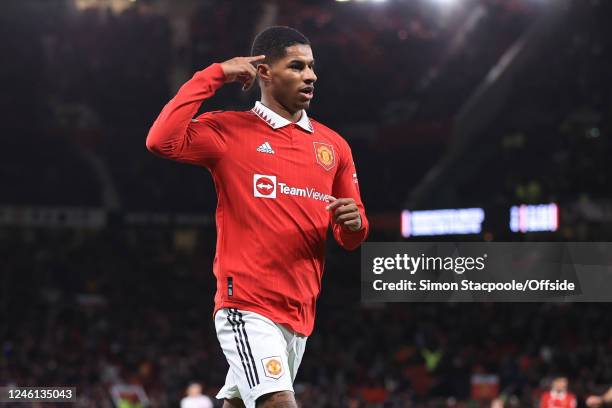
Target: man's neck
272,104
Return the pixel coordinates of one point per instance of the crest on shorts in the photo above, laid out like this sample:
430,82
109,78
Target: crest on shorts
325,155
273,367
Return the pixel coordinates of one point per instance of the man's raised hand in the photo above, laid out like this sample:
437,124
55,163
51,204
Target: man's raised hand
241,69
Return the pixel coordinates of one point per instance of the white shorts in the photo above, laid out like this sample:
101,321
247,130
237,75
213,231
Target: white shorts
263,356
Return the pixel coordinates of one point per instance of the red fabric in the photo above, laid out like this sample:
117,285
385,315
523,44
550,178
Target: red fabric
551,400
420,379
272,248
374,395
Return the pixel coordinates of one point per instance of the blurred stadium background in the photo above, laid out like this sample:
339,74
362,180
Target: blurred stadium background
474,105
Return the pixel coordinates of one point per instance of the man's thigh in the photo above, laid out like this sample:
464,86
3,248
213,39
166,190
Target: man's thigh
233,403
281,399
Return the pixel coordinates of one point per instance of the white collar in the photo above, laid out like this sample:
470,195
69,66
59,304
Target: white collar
276,121
558,394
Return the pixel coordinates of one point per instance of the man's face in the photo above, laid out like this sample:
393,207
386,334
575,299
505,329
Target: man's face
292,78
194,390
559,385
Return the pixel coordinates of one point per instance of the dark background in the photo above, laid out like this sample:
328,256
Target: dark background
107,251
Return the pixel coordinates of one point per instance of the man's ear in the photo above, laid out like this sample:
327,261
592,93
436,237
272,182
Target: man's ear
263,71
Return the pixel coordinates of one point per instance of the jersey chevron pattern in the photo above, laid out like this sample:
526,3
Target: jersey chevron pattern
273,178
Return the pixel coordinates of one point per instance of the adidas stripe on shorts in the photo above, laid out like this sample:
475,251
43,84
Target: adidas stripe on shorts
263,356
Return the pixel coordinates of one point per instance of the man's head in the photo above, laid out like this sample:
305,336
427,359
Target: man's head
286,75
194,389
559,384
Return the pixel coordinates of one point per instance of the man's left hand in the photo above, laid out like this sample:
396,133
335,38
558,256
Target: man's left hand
345,212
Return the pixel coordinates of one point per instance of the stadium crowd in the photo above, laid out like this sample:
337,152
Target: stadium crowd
95,81
554,123
133,305
91,307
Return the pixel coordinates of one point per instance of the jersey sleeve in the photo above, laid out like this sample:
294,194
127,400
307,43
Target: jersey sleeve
177,136
346,186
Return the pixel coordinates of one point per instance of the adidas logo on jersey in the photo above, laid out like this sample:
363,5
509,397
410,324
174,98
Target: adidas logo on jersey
265,148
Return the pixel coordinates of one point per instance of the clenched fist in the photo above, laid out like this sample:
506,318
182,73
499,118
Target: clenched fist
345,212
241,69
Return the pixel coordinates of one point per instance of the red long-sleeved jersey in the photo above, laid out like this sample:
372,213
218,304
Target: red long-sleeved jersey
551,399
273,178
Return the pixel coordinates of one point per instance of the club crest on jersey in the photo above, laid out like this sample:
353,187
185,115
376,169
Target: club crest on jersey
273,367
325,155
264,186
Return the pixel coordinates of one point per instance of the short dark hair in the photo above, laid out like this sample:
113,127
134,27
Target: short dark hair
272,42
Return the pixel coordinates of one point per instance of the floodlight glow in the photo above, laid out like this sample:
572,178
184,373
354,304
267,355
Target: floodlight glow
445,2
361,1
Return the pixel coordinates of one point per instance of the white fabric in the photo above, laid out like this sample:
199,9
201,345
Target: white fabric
276,121
200,401
263,356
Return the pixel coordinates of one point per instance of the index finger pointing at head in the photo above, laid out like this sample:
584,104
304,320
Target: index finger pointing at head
256,58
